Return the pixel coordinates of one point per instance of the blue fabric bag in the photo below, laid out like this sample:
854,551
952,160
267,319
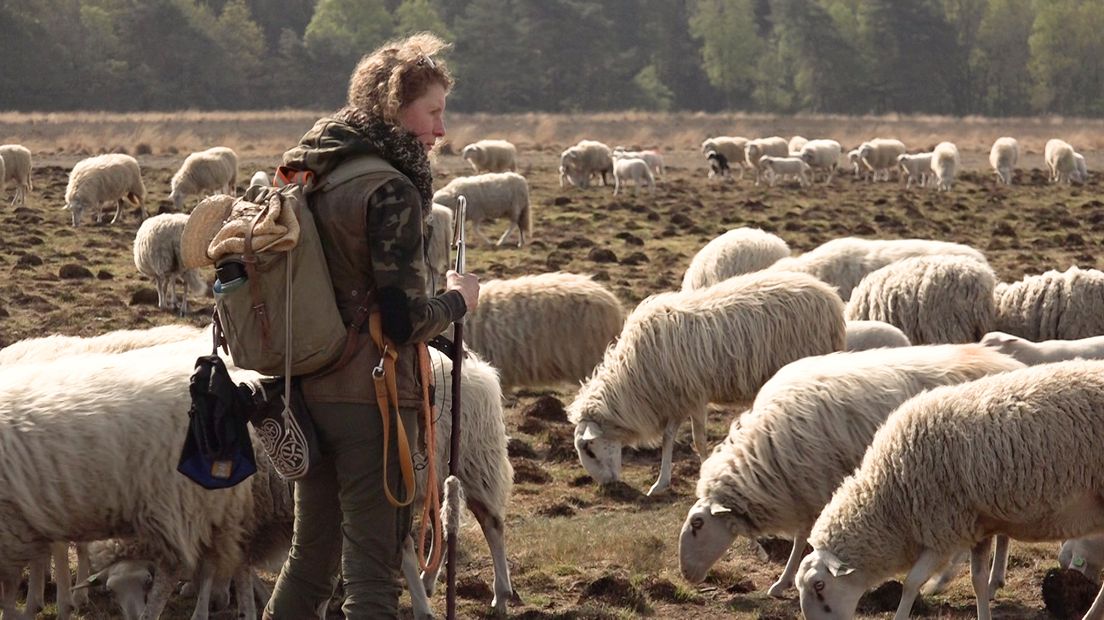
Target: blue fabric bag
217,451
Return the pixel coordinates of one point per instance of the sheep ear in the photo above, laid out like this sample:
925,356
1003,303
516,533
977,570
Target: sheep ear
837,567
591,432
92,581
717,509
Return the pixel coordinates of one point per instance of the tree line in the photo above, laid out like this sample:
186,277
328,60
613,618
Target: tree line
989,57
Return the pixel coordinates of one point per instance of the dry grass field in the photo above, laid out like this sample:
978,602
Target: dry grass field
577,550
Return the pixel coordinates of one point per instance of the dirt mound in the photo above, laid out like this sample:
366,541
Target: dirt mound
528,471
617,591
547,408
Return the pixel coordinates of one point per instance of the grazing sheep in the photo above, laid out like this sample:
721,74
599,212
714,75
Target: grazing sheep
214,171
734,253
731,147
654,159
1016,453
1003,157
1081,170
774,168
157,255
680,351
718,165
932,299
439,225
1059,158
806,431
96,180
1033,353
756,149
944,164
1056,305
584,160
543,328
260,179
844,262
1085,555
918,168
491,196
822,155
863,335
491,156
48,348
796,143
854,157
879,156
15,166
633,169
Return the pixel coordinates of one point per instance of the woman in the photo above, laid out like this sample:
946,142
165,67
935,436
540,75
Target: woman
370,218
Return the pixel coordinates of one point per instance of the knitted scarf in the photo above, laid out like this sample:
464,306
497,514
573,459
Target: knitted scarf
395,144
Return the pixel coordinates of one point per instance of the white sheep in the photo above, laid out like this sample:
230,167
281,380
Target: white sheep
491,156
1047,351
854,157
439,229
821,155
1085,555
492,196
879,156
544,328
15,166
113,177
586,159
756,149
214,171
917,167
259,179
1016,453
807,430
944,164
680,351
863,335
633,169
796,143
1059,158
1003,157
49,348
734,253
731,147
1081,170
845,261
653,157
1065,305
932,299
157,256
774,168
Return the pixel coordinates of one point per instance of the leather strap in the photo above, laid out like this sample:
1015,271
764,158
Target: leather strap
431,507
387,399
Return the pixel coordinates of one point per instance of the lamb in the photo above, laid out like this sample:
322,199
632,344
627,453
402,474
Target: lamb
940,476
654,159
1003,157
49,348
756,149
822,155
439,229
587,158
544,328
807,430
1033,353
679,351
15,166
491,196
1060,161
879,156
1065,305
863,335
731,147
944,164
1085,555
157,255
491,156
917,167
736,252
632,169
845,261
718,165
774,167
259,179
932,299
212,171
96,180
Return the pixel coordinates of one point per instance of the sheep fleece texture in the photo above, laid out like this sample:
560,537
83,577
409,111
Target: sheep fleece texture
1057,305
736,252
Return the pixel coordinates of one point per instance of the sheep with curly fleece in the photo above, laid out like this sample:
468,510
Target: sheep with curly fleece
731,147
15,166
214,171
944,165
736,252
932,299
1003,157
1055,305
157,256
844,262
49,348
1014,454
807,430
680,351
439,225
1060,162
863,335
755,150
491,196
586,159
113,177
878,157
491,156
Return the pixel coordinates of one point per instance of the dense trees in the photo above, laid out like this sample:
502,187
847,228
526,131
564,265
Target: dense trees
997,57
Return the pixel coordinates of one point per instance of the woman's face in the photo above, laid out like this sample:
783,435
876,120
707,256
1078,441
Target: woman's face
425,116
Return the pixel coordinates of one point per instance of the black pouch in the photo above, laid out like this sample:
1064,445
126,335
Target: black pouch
217,451
284,427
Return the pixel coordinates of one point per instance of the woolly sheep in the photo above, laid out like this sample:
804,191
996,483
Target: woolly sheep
718,165
731,147
863,335
854,158
879,156
15,166
822,155
654,159
1003,157
679,351
756,149
439,225
845,261
1015,453
260,179
1059,158
212,171
796,143
1055,305
584,160
1081,170
543,328
491,196
917,167
734,253
633,169
1032,353
50,348
806,431
96,180
774,168
932,299
944,164
1085,555
157,256
491,156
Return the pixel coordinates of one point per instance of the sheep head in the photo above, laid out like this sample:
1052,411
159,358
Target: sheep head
600,456
706,535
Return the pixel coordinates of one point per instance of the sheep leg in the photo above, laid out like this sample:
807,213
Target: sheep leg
664,479
65,607
36,585
205,578
243,586
419,598
509,229
479,231
616,185
9,590
163,582
118,210
1000,565
261,591
979,562
925,565
84,569
495,535
939,582
1096,612
786,580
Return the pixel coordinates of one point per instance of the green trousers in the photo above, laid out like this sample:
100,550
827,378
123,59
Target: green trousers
343,519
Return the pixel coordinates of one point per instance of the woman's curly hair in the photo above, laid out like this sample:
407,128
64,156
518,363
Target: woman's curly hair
397,73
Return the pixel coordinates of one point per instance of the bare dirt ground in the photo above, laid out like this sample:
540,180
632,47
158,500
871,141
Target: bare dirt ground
577,550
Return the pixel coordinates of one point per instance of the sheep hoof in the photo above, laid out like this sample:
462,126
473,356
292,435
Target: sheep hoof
778,589
659,487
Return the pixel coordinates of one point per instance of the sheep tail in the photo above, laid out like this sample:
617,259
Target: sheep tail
450,508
